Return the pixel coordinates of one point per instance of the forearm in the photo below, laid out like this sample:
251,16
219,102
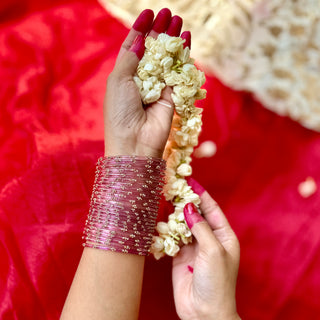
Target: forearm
107,285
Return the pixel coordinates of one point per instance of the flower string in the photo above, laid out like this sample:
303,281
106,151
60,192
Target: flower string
167,63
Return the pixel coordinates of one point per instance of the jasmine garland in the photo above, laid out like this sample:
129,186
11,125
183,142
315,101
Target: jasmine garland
167,63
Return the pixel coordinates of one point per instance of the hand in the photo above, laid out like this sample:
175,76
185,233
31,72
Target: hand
205,272
130,127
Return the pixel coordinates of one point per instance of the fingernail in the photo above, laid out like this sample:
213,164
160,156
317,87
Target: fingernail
190,269
138,46
144,21
191,214
196,186
162,20
175,26
187,36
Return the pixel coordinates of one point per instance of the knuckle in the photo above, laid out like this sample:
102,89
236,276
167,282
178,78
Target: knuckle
234,239
126,44
210,206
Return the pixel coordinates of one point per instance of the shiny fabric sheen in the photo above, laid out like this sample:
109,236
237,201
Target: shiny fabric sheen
54,61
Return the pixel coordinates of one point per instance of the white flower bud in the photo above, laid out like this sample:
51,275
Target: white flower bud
177,99
143,75
163,37
158,255
178,213
138,82
184,55
152,96
173,44
166,62
157,243
162,228
184,170
179,185
189,68
172,226
187,240
170,247
183,230
147,85
148,67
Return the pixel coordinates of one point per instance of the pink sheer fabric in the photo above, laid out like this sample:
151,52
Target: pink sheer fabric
54,61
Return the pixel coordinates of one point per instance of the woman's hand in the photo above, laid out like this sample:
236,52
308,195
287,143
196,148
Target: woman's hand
205,272
130,127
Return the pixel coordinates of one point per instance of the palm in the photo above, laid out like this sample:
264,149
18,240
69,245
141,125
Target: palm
182,279
155,130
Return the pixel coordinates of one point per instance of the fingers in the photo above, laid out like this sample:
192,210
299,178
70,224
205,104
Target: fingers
144,21
212,212
141,27
215,218
209,207
196,186
200,228
161,22
187,36
163,109
129,61
138,46
175,26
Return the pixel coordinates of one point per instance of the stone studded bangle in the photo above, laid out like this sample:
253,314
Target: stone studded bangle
124,204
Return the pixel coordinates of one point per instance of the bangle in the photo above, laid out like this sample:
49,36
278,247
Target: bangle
124,204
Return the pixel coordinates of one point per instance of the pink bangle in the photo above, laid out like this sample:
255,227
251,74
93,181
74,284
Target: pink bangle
124,204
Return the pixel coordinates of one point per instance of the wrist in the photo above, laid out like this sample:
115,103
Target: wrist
124,204
210,315
138,150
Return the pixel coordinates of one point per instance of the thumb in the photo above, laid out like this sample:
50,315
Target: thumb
162,111
200,228
128,63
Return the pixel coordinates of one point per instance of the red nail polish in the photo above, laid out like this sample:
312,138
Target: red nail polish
187,36
191,214
162,20
190,269
175,26
196,186
138,46
144,21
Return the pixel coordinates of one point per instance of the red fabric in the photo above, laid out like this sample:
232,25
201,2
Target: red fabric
54,60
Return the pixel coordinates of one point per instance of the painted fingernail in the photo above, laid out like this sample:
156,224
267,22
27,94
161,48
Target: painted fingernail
190,269
191,214
144,21
138,46
175,26
162,20
187,36
196,186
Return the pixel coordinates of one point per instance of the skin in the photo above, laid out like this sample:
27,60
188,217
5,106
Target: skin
209,291
107,285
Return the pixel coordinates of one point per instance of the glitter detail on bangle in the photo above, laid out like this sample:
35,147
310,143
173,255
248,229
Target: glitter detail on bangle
124,204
